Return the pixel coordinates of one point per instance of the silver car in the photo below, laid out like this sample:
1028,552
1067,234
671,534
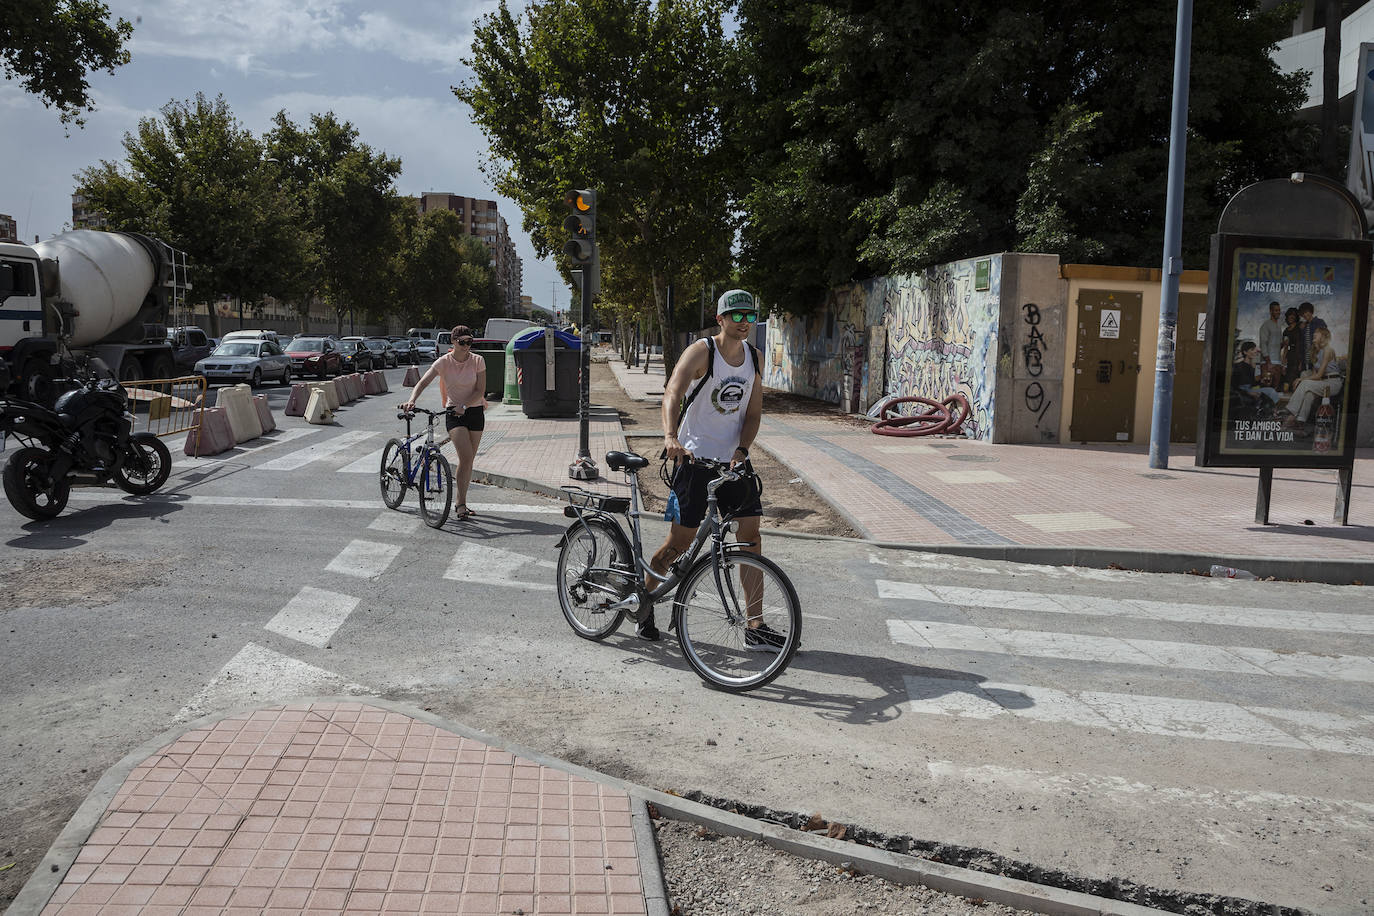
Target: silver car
251,361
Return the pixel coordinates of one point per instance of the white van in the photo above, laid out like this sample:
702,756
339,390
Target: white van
253,335
506,328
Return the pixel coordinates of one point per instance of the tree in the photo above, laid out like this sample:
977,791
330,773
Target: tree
195,178
443,273
348,204
622,96
51,45
890,135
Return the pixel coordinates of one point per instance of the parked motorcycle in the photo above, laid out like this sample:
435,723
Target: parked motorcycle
85,437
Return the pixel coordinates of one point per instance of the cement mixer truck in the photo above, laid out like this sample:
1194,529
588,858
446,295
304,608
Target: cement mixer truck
87,294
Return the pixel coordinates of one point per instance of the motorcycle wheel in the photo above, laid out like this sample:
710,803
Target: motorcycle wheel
29,486
146,465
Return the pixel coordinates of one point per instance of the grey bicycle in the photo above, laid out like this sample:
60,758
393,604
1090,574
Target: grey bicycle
736,614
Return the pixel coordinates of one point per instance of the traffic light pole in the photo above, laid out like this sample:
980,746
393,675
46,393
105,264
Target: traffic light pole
584,466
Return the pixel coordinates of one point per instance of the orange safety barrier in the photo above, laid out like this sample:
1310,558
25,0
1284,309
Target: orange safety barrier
166,406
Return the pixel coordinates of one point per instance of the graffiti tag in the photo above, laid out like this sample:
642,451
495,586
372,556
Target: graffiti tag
1033,353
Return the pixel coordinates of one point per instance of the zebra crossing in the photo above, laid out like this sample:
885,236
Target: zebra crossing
1111,659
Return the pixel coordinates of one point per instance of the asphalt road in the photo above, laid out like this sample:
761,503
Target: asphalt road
1189,734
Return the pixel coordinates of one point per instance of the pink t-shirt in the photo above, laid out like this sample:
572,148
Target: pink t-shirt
458,381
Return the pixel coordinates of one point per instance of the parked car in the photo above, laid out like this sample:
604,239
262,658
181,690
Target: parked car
426,350
316,355
355,355
246,360
383,352
405,350
189,346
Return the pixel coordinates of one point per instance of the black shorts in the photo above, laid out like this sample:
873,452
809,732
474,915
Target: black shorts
739,498
473,418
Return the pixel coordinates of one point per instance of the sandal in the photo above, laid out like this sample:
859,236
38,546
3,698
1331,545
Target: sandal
462,511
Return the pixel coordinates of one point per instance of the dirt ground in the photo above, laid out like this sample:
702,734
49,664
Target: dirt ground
788,503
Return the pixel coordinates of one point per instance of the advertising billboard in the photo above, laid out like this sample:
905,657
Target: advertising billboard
1286,323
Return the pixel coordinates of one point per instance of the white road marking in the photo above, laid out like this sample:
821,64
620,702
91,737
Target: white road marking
1093,606
1117,792
281,437
368,464
364,559
258,675
1175,718
395,523
312,616
299,459
1120,651
493,566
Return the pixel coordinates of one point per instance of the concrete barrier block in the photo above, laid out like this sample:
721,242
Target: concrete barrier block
412,376
372,383
317,411
214,435
341,390
350,386
359,388
381,380
265,417
299,397
331,393
243,416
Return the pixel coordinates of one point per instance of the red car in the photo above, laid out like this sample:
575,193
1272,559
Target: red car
318,356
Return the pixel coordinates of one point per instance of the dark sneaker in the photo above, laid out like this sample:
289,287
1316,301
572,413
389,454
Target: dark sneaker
763,638
646,629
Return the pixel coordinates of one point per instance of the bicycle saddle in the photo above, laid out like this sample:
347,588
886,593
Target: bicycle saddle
625,461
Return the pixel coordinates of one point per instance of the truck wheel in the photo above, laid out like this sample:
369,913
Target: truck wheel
130,370
38,380
163,367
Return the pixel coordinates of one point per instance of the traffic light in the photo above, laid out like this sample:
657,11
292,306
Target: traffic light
581,227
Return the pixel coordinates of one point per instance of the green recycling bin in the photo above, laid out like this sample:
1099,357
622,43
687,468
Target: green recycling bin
541,396
493,353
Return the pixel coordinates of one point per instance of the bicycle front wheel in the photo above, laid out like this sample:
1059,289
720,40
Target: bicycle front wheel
436,490
738,629
594,572
394,476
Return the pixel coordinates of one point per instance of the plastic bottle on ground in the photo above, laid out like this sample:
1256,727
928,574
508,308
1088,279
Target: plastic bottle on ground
1230,572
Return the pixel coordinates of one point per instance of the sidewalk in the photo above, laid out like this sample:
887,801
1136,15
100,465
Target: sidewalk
1092,505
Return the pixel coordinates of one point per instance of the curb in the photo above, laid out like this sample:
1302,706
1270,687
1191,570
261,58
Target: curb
900,869
1330,572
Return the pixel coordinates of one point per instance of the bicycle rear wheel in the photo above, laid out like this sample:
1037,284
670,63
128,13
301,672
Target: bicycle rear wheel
716,616
590,553
394,477
435,489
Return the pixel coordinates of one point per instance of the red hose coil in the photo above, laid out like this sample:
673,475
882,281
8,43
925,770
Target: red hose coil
939,417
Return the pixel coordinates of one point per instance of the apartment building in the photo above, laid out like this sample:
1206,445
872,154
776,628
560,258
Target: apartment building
481,219
9,228
84,216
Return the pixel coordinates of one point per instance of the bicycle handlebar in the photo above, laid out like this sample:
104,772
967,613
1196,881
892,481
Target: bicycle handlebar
403,414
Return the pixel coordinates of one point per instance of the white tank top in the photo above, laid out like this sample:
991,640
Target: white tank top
712,422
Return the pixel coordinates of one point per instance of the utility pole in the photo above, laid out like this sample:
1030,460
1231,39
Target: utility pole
1162,415
582,248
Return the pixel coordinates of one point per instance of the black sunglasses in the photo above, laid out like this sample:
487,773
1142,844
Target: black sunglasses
464,341
737,317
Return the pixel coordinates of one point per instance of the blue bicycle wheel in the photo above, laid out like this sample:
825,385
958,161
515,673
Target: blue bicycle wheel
435,489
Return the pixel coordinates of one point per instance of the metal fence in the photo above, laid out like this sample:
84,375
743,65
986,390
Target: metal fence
165,407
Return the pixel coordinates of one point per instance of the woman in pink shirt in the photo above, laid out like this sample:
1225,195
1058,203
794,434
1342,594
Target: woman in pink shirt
462,378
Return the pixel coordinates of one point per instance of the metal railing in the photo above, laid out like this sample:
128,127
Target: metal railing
165,407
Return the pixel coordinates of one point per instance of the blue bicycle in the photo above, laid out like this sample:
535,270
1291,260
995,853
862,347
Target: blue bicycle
406,465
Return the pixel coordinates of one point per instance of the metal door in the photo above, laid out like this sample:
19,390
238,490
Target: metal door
1106,366
1191,345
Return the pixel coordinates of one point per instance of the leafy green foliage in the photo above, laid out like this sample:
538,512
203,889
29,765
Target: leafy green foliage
442,273
890,135
195,178
51,45
622,96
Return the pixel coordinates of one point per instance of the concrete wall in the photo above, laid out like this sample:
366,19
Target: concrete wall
1032,351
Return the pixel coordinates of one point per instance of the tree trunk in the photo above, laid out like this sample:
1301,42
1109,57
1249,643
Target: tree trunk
1331,164
667,324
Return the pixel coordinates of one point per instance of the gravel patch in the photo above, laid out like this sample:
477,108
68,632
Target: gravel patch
713,875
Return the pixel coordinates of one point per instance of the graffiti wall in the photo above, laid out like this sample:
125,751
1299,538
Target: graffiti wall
942,333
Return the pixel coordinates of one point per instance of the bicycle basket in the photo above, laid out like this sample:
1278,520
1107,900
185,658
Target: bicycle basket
581,500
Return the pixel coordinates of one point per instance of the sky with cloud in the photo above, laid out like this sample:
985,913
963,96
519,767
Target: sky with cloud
387,68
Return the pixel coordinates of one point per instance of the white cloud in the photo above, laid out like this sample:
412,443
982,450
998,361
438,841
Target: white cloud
423,44
236,34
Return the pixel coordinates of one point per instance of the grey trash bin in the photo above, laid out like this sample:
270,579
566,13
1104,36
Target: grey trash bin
534,354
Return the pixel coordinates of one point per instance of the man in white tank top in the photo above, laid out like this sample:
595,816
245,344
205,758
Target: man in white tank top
720,379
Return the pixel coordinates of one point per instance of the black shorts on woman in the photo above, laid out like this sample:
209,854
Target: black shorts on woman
738,499
473,418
